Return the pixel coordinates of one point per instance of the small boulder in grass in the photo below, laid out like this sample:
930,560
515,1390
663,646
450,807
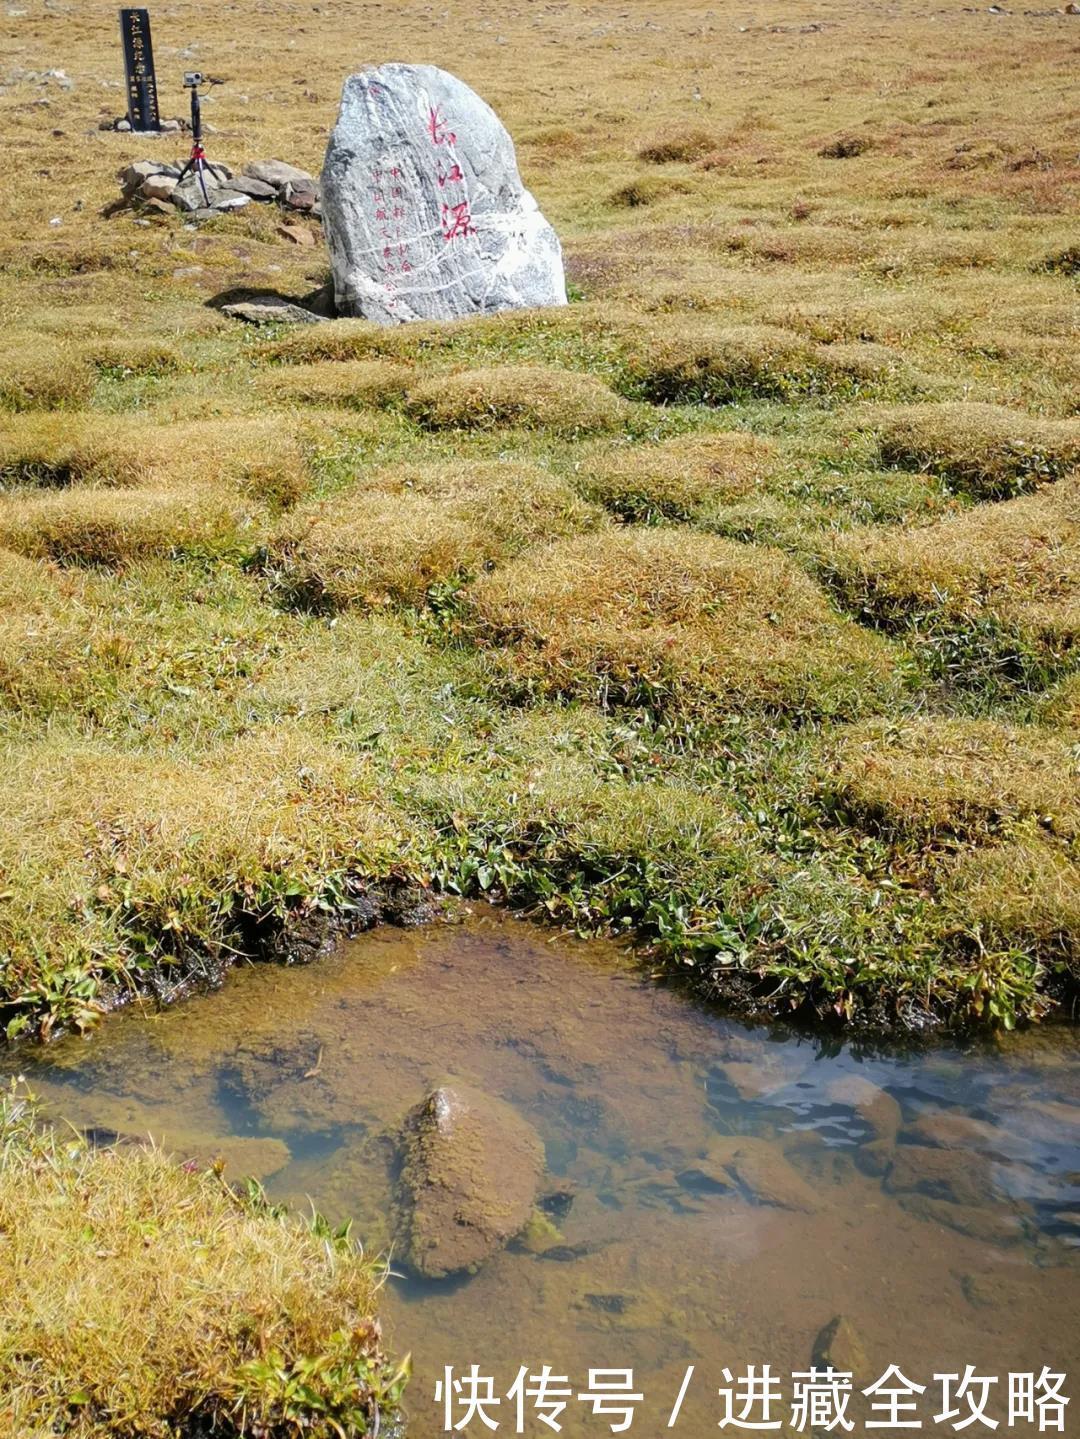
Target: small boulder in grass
277,173
426,214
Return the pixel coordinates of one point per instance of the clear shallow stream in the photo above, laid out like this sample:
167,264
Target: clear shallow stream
936,1191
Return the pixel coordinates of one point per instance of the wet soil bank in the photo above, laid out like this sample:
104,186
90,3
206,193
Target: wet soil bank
713,1194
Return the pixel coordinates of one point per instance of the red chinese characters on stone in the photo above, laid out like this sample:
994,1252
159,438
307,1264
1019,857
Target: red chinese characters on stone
457,221
456,215
438,130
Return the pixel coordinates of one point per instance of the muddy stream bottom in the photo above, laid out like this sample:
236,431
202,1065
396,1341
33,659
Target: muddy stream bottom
722,1194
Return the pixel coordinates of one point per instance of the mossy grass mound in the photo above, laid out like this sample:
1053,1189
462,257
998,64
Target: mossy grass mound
255,455
248,1319
45,638
534,397
358,384
42,373
695,360
411,529
128,355
677,478
1061,706
682,143
114,527
662,618
121,861
960,778
1007,572
987,451
1023,895
80,448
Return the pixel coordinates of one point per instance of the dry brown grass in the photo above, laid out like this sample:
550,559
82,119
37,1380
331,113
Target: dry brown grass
76,448
257,456
531,396
37,373
411,528
665,617
1062,705
347,383
94,1237
686,143
113,527
105,851
1025,893
986,450
958,777
1016,562
676,478
133,355
47,639
694,360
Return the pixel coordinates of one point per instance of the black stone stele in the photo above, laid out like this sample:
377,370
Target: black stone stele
139,64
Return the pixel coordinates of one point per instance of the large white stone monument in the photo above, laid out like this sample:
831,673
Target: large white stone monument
423,206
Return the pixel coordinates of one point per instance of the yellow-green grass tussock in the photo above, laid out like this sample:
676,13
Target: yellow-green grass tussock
1023,894
985,450
533,397
255,455
1014,566
236,1301
407,529
966,778
677,478
359,384
117,861
39,372
668,618
697,360
112,527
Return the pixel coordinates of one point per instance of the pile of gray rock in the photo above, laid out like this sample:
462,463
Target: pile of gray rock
155,185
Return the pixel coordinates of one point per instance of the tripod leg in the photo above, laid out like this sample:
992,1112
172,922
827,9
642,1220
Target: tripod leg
184,172
200,170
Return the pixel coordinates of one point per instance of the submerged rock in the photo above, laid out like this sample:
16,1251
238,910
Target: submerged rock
871,1104
941,1174
838,1346
755,1167
426,216
469,1180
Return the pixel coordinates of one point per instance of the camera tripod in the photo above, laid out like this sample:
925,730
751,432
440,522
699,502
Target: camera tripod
197,163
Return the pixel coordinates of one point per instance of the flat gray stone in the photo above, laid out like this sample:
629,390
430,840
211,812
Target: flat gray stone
299,195
271,312
157,187
188,195
277,173
425,213
135,175
257,189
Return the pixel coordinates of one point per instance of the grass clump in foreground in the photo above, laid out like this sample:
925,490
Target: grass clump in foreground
668,619
111,527
677,478
989,595
129,869
986,450
411,530
250,1322
256,456
960,777
532,396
